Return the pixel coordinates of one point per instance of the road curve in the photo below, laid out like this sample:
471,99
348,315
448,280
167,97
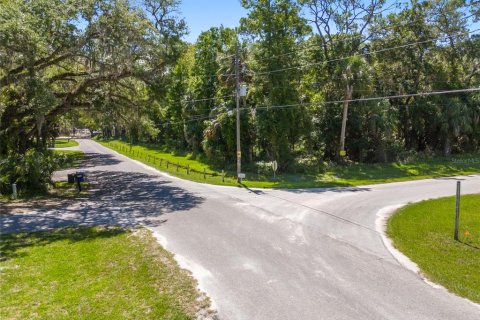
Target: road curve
269,254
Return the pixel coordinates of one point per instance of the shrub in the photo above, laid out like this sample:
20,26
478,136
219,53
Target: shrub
32,171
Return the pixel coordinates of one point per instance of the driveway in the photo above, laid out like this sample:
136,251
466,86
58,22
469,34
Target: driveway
264,254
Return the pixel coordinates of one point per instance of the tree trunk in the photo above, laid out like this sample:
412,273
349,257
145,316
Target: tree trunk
348,96
446,146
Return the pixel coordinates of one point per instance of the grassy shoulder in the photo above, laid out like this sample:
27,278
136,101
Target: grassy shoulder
424,232
332,176
65,143
93,273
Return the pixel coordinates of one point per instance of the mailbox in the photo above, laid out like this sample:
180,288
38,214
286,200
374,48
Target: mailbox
80,176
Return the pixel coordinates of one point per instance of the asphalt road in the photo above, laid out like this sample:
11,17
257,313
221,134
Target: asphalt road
266,254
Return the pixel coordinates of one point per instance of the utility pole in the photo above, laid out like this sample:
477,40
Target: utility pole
237,95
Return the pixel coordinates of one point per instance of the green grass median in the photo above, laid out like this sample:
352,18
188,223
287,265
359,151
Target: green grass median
93,273
424,232
333,175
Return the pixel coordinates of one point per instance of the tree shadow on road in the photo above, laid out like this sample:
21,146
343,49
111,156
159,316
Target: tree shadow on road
124,199
91,160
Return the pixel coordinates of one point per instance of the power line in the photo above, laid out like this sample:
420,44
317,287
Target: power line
201,118
316,45
352,37
372,98
347,57
206,99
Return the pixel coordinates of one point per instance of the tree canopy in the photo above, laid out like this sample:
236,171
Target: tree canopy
122,67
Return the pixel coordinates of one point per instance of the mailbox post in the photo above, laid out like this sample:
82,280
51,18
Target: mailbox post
79,177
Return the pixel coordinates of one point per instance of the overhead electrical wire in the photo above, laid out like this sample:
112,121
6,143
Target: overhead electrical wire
422,94
348,38
333,60
206,99
430,93
443,38
351,37
348,57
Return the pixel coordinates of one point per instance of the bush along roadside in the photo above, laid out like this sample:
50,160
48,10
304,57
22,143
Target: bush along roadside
31,173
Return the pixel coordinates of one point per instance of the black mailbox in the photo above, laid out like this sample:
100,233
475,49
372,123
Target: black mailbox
71,178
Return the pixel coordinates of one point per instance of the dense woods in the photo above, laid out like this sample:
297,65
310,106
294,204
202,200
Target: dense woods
404,75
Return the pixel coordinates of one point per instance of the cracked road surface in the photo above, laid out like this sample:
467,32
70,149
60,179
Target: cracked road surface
265,254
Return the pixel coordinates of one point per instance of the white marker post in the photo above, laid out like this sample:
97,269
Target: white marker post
457,211
14,191
274,168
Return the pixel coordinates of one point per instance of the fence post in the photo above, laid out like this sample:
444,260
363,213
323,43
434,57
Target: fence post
204,173
457,211
188,169
178,165
223,175
167,164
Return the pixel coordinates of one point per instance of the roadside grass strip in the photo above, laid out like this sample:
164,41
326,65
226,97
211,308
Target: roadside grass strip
94,273
186,167
424,232
65,143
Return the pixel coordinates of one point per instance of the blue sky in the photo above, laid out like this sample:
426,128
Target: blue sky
201,15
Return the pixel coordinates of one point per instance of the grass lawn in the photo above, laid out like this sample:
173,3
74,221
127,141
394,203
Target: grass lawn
64,143
93,273
424,232
352,175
